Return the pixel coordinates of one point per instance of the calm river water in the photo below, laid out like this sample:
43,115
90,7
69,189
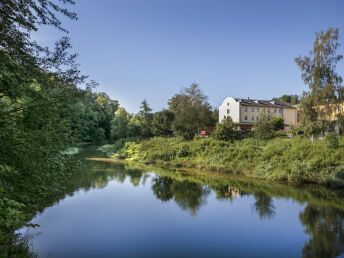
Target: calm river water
117,210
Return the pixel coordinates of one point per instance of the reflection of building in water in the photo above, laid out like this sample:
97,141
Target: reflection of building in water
234,192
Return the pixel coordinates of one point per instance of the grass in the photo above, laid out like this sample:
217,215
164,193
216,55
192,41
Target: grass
293,160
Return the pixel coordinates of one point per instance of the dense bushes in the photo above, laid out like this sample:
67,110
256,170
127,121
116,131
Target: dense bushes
298,160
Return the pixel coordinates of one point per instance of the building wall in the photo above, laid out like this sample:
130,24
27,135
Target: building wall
253,112
233,106
290,116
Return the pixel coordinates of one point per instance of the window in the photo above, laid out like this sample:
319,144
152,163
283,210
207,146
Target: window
246,118
228,104
275,110
252,109
227,111
280,111
264,110
258,110
268,110
245,109
253,118
339,109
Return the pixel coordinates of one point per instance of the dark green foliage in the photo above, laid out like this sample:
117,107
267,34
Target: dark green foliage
42,113
191,112
290,99
162,123
225,131
263,128
134,127
145,118
277,123
119,124
332,140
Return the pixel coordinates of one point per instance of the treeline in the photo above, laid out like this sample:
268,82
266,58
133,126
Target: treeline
188,112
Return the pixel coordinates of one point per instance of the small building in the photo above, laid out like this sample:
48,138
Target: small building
244,112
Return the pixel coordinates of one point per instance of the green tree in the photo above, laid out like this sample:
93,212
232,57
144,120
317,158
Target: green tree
146,118
191,111
162,123
225,131
277,123
324,83
289,99
263,128
119,124
134,126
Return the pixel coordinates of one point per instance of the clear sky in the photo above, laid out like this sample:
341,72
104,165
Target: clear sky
150,49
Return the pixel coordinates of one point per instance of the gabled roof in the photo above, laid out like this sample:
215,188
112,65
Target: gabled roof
264,103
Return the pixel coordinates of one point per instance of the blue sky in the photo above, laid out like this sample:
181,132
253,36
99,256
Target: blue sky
150,49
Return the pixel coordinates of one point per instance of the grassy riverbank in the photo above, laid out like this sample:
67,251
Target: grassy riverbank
297,161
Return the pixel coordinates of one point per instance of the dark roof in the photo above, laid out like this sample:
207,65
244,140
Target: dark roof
264,103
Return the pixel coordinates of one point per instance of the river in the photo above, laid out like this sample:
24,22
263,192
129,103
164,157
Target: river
121,210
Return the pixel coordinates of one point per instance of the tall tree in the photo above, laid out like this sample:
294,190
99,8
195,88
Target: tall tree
146,118
162,123
119,124
324,83
191,111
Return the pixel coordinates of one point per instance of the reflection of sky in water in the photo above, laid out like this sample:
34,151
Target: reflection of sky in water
126,213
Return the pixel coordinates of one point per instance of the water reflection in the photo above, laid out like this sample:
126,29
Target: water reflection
188,196
322,217
325,227
264,205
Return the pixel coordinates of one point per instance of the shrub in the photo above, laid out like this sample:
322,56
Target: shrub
277,123
280,133
263,129
332,140
225,131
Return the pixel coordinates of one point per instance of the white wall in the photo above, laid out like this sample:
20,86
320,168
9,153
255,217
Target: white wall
233,106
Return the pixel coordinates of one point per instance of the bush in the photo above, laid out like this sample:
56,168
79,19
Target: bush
280,133
277,123
225,131
332,140
263,129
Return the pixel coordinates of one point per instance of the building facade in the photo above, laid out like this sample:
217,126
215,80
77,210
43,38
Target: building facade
244,112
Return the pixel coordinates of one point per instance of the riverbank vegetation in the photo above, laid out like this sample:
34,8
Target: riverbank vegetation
297,161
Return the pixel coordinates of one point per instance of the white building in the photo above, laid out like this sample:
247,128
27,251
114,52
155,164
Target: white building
244,112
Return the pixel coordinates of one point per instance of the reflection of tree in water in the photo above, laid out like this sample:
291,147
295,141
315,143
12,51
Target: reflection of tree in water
228,192
263,205
135,177
189,196
325,227
162,188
